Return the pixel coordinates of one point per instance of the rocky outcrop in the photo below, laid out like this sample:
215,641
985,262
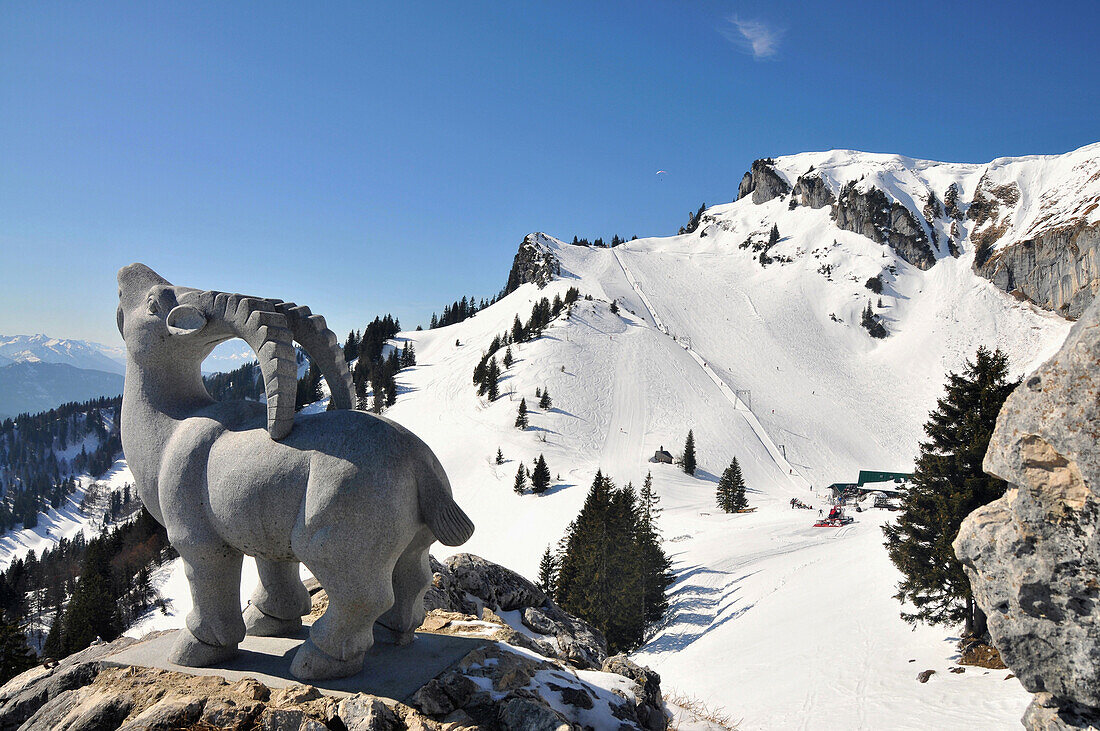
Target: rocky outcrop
1058,269
1033,556
492,687
534,262
951,202
870,213
812,190
468,584
525,676
762,182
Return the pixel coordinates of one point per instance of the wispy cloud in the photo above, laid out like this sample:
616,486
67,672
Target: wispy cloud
757,37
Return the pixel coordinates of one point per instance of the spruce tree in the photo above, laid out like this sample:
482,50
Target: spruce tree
649,504
500,456
508,360
547,569
731,489
91,612
493,377
520,485
540,478
656,566
773,237
614,307
612,572
948,484
688,462
15,656
521,415
544,402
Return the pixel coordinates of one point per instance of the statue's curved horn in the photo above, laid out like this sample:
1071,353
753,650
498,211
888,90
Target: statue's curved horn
256,321
323,348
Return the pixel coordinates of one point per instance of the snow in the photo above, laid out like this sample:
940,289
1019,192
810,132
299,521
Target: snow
781,624
68,520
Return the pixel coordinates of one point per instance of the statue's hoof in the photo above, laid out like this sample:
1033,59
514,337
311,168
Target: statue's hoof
388,636
194,653
311,663
259,624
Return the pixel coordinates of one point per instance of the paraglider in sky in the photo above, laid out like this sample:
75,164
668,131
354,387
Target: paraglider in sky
662,172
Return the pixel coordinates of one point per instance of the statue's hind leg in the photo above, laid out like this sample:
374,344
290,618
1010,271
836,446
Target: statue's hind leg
214,624
279,601
412,575
339,640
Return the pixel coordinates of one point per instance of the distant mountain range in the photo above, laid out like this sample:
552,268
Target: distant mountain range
33,386
76,353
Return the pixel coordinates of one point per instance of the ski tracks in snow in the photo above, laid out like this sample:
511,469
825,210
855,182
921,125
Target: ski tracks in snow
800,483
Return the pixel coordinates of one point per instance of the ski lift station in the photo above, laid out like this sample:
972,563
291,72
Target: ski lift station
889,483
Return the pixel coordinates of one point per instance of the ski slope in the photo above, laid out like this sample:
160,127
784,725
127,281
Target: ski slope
783,625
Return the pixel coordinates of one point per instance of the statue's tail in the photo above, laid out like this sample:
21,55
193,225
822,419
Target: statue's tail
449,523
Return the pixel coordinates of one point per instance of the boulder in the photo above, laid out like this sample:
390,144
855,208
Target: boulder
1033,556
500,588
649,703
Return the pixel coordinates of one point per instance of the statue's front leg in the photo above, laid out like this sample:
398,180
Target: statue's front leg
214,624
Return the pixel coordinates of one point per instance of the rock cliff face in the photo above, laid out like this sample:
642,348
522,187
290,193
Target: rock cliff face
1058,269
1033,556
762,182
870,213
533,263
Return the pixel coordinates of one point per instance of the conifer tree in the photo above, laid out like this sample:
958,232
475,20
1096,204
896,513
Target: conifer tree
688,461
614,307
544,402
649,503
517,331
547,570
500,456
520,485
521,415
731,489
15,656
948,484
91,612
508,360
493,377
540,478
611,572
773,237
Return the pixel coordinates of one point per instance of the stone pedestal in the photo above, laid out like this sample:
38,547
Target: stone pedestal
389,671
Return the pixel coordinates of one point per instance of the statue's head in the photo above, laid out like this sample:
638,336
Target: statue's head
167,326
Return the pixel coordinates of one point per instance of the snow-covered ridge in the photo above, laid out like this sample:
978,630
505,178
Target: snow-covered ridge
1032,223
77,353
1053,190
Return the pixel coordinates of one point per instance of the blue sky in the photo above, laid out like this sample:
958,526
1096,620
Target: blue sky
365,158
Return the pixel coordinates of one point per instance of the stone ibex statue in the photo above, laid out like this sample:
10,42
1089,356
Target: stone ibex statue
355,497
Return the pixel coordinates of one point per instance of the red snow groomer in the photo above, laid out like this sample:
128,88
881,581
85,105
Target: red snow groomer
836,519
